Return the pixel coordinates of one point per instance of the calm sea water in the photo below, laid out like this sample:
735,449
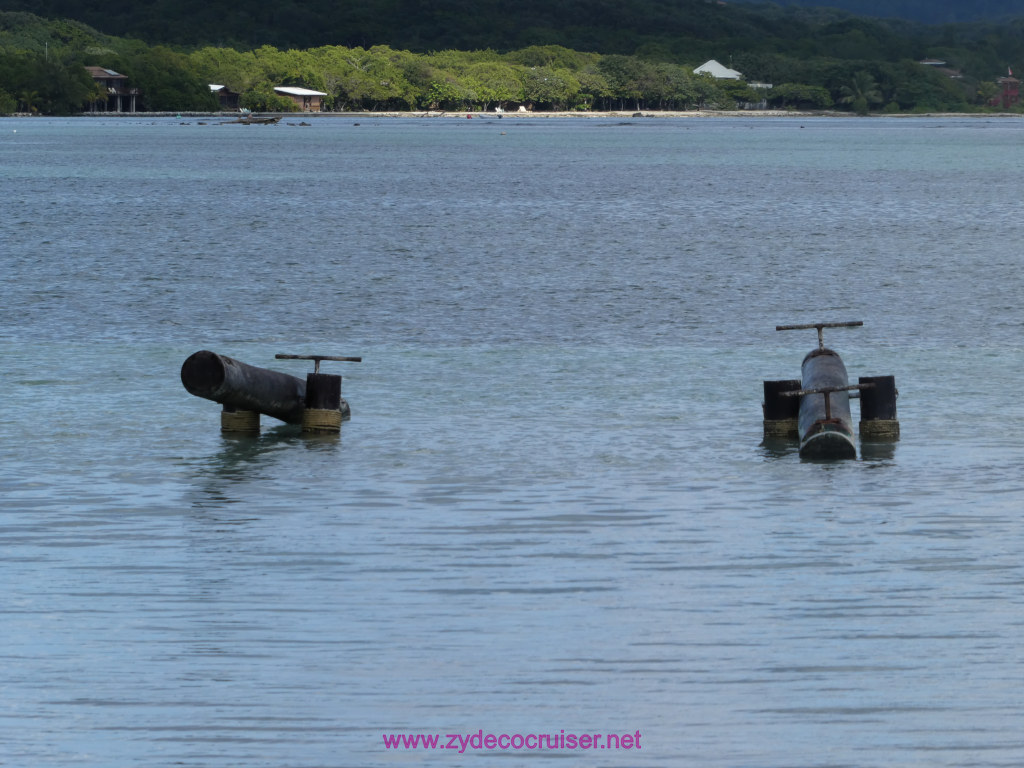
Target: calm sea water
552,509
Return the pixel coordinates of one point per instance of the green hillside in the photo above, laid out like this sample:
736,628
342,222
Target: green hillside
603,26
923,11
456,54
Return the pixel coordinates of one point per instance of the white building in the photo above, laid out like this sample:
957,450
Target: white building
716,70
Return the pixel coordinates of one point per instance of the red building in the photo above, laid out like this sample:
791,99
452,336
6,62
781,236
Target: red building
1009,91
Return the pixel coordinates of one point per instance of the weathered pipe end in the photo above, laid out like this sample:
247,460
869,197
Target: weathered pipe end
202,374
244,387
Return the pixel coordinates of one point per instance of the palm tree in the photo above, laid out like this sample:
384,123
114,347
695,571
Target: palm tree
861,93
988,94
96,95
28,99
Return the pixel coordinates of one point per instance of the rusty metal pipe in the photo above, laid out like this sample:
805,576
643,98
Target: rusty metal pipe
238,385
825,425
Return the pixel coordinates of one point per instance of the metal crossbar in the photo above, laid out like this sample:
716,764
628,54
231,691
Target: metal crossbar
317,358
819,327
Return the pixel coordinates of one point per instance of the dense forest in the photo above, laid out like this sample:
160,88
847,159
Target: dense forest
599,26
456,55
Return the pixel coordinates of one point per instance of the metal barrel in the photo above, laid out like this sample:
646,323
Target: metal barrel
324,412
241,386
780,411
879,401
777,406
878,420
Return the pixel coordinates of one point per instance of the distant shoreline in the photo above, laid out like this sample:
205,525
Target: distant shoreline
763,114
655,114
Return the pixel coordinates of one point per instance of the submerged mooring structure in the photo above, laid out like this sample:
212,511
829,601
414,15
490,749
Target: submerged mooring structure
247,391
815,409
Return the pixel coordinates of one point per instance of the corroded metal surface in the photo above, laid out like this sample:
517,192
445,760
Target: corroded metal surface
825,423
241,386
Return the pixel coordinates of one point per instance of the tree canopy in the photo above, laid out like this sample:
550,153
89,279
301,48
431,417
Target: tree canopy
815,59
924,11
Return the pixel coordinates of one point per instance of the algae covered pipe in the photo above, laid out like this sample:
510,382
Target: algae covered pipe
240,386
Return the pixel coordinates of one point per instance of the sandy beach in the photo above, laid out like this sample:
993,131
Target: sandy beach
765,114
646,113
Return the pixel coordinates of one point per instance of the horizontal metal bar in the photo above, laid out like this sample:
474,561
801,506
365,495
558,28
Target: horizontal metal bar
320,357
803,327
823,390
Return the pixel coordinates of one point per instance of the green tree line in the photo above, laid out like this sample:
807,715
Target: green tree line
42,70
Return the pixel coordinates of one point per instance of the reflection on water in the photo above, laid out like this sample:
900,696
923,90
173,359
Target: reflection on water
878,451
780,448
226,476
871,451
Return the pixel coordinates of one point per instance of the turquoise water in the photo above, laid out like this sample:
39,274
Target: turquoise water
552,509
